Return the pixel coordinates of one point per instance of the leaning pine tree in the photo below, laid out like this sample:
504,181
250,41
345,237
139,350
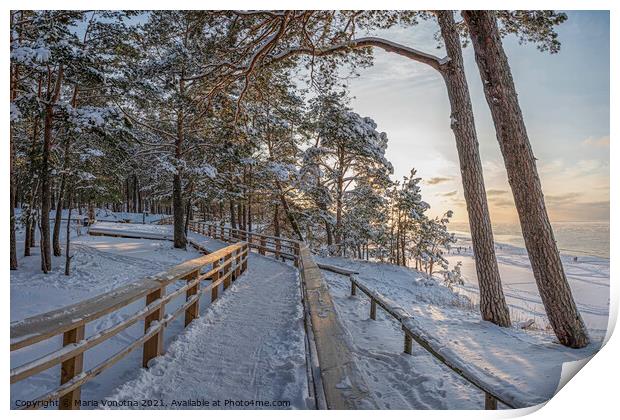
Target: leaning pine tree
520,163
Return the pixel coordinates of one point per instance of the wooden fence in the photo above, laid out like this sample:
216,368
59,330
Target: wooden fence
222,267
264,244
328,331
413,333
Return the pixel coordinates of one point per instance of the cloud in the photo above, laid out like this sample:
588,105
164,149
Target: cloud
596,141
449,194
501,202
493,193
562,198
438,180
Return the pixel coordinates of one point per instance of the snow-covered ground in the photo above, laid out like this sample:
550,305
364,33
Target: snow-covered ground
588,277
252,335
526,365
249,344
99,264
110,216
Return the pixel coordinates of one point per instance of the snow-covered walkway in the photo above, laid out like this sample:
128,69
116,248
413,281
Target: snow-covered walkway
246,351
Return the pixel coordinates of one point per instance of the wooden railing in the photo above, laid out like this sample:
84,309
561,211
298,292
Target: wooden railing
222,267
264,244
330,358
413,332
334,356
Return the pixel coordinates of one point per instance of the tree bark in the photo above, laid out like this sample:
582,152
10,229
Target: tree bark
233,221
276,221
180,239
52,97
501,95
492,301
58,219
68,244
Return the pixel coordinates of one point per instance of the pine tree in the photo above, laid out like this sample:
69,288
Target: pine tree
516,149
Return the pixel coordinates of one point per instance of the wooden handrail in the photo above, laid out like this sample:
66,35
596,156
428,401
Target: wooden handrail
279,247
226,265
413,332
336,357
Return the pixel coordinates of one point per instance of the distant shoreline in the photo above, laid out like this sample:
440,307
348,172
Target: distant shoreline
574,238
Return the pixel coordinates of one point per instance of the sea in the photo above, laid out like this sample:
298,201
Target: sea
573,238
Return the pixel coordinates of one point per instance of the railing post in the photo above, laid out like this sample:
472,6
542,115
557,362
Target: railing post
408,343
373,309
70,368
490,403
192,312
245,255
227,270
278,247
154,346
214,278
353,289
221,233
296,253
263,245
238,257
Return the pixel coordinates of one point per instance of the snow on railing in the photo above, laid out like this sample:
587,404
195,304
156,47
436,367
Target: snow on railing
224,266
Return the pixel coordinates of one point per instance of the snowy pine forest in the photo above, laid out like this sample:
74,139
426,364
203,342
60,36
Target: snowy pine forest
139,138
150,115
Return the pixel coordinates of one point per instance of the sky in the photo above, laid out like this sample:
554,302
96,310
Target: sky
564,98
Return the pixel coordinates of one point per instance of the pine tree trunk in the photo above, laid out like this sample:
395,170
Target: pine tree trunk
233,221
276,221
180,240
135,193
13,240
58,218
492,301
68,244
523,178
46,255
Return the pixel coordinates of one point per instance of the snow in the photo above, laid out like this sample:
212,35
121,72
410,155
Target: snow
110,216
250,342
249,345
521,366
99,265
588,278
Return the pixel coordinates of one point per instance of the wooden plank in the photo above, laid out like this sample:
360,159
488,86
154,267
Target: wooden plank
40,327
71,368
335,269
193,310
215,280
336,359
88,375
408,344
490,403
227,271
154,346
